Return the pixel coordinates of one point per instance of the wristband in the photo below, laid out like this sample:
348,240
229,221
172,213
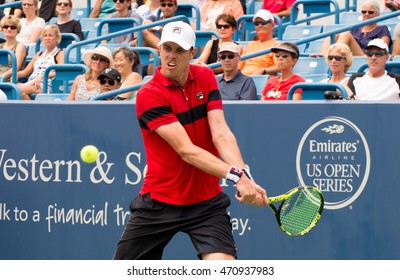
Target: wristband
247,173
234,174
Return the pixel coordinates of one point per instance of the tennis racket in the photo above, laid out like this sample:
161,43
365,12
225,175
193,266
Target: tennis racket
299,211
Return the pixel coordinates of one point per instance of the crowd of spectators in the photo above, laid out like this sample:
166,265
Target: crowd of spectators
24,25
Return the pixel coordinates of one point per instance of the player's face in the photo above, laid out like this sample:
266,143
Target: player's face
175,62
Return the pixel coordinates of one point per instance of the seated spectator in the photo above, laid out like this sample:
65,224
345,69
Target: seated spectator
226,26
127,61
86,86
376,83
65,23
16,11
47,10
149,9
32,25
358,38
339,58
263,64
232,84
122,11
151,36
396,41
277,87
109,79
51,37
279,8
102,8
213,8
11,26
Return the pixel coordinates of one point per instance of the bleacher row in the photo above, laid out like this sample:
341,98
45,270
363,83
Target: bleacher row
95,30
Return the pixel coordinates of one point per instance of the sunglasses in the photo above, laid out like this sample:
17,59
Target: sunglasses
109,81
263,22
65,4
224,26
167,4
284,55
369,12
224,56
377,54
336,57
12,27
101,59
120,1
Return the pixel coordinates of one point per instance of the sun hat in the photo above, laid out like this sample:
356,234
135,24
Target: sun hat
180,33
100,50
229,47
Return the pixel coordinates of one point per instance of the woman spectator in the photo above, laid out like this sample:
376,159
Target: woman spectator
102,8
65,23
277,87
213,8
339,58
226,26
11,26
51,37
127,61
358,38
87,85
32,25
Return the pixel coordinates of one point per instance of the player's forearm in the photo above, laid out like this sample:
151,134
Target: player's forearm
228,148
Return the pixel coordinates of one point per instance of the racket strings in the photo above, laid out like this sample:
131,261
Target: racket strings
300,212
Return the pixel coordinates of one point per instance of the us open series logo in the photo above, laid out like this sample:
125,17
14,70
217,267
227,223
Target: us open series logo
333,155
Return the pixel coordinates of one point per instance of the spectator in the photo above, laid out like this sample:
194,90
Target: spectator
65,23
51,37
396,41
277,87
17,11
47,9
263,64
110,79
11,26
213,8
339,58
357,39
151,36
127,62
149,9
280,8
376,83
32,25
87,85
226,26
102,8
122,11
233,85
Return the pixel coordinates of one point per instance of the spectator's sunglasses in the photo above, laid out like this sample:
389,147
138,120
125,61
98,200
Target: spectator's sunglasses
65,4
224,26
377,54
167,4
12,27
336,57
103,81
120,1
262,22
367,12
101,59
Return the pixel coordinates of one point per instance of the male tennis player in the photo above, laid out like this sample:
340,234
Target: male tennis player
184,133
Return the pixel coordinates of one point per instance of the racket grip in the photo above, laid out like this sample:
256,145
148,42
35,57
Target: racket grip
238,194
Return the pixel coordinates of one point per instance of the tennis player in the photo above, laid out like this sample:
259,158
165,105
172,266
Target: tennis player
185,134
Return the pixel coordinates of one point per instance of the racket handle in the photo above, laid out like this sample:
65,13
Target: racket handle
238,194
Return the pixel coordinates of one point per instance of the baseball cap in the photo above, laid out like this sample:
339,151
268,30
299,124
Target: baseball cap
110,73
174,1
264,14
379,43
229,47
180,33
286,48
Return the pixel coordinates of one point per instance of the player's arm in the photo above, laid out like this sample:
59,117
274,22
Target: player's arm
227,146
177,137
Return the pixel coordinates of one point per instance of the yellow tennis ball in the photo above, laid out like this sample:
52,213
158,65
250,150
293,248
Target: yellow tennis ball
89,153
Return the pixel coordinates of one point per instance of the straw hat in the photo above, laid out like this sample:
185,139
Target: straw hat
100,50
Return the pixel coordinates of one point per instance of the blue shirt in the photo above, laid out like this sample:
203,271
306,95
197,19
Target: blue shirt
241,87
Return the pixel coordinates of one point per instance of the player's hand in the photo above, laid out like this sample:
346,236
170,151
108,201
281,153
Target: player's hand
250,193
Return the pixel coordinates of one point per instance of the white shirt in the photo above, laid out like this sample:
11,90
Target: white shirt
382,88
27,29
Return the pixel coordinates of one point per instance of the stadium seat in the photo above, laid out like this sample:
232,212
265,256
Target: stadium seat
311,65
296,32
112,25
5,55
314,78
358,61
202,37
51,97
260,81
89,23
348,18
11,90
315,91
147,56
79,13
64,77
390,66
190,11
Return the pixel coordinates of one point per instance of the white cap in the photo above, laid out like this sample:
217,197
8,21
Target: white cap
180,33
265,15
229,47
379,43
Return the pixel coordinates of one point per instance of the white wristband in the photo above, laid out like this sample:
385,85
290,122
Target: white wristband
234,174
247,173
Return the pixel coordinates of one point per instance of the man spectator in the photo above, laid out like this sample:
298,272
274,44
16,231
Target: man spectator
110,79
281,8
123,11
148,9
376,83
264,64
232,84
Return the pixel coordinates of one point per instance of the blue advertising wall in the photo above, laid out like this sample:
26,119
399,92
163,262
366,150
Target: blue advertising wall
54,206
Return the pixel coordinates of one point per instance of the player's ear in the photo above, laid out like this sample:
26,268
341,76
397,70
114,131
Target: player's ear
193,52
